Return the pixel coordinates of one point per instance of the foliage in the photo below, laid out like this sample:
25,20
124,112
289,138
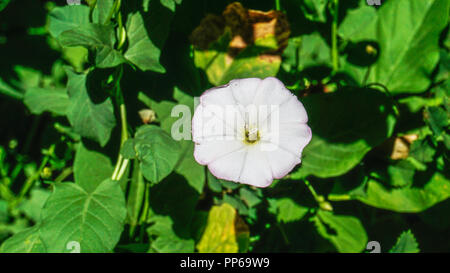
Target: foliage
97,101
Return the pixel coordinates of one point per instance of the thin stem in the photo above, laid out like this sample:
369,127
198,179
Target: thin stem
64,174
323,204
334,44
123,168
277,5
91,12
115,7
313,191
6,193
119,170
30,181
122,163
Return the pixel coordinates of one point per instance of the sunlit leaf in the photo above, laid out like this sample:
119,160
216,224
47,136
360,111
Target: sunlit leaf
186,165
408,49
287,210
141,50
26,241
220,233
86,174
157,152
415,198
32,207
98,38
346,233
93,219
66,18
406,243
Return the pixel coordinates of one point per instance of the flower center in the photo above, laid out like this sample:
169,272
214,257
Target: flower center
251,135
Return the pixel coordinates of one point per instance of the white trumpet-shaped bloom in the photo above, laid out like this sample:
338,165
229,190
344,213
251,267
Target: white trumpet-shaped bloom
250,131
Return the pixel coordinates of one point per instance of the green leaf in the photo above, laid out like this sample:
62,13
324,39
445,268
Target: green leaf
40,100
314,10
364,15
401,173
220,232
220,68
67,18
408,199
287,210
189,168
3,4
406,243
91,167
93,120
213,182
346,125
437,119
32,207
306,51
3,211
250,197
167,240
172,204
422,151
157,152
236,202
170,4
26,241
408,49
186,165
93,219
103,8
98,38
346,233
7,90
141,50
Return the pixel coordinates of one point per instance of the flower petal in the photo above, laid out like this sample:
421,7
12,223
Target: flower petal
291,137
229,166
281,162
244,90
256,170
216,122
212,150
271,91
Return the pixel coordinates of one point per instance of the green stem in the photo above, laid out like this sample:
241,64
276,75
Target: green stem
313,191
91,12
30,181
334,44
6,193
277,5
323,204
64,174
115,7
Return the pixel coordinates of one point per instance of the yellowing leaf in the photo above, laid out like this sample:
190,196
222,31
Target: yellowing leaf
240,43
220,232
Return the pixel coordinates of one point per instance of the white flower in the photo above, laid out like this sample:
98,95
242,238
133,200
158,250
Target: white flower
250,131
